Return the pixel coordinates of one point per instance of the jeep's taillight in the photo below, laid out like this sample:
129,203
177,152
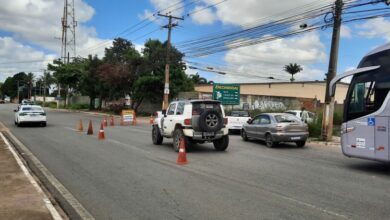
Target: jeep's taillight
187,121
225,121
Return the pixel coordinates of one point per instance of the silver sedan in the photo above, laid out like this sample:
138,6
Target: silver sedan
274,128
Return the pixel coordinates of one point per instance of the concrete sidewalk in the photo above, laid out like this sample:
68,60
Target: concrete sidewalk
20,195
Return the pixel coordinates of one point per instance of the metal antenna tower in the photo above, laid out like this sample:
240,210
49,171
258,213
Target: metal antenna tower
69,25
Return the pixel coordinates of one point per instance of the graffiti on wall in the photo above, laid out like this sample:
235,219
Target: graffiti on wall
269,105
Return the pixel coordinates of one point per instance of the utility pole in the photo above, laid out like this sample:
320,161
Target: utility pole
169,26
327,121
68,39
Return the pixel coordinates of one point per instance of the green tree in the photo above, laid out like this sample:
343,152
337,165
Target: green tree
46,80
10,86
292,69
196,79
153,74
90,83
68,75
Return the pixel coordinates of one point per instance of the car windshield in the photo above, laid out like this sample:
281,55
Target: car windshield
286,118
239,114
32,109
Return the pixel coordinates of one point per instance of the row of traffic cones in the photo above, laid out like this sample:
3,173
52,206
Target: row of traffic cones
181,159
101,135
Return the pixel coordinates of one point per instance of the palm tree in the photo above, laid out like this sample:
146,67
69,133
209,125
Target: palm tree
30,80
292,69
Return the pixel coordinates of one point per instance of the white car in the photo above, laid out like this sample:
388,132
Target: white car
298,113
30,114
237,119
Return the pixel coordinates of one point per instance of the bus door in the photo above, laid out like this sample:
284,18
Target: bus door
359,133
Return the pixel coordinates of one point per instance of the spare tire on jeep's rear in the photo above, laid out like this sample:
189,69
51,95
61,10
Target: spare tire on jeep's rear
210,121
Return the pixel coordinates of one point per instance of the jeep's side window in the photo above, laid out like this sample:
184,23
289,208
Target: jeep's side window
180,108
171,109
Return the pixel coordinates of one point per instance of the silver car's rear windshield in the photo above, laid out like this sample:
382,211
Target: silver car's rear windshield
32,109
286,118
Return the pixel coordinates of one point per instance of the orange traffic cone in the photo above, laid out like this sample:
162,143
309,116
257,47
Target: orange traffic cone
122,121
151,120
101,132
112,123
105,121
81,127
182,158
90,129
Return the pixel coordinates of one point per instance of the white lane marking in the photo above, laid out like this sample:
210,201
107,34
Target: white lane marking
49,205
72,129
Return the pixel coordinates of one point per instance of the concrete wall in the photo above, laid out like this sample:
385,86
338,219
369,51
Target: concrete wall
308,90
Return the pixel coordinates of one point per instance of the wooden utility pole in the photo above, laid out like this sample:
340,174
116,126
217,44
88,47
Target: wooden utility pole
169,26
327,121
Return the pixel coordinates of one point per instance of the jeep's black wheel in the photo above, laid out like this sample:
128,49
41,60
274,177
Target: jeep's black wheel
222,143
177,135
269,142
156,136
300,143
244,135
210,121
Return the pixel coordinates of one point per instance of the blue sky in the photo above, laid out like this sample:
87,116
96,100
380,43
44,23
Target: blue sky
28,32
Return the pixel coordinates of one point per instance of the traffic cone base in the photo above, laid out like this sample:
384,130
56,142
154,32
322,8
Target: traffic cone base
101,132
90,129
182,158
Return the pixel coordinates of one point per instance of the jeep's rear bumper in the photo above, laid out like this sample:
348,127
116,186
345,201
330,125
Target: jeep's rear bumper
200,135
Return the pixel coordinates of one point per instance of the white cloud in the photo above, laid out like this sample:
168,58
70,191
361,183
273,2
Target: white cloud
375,28
203,16
13,55
345,32
36,25
268,59
238,12
175,8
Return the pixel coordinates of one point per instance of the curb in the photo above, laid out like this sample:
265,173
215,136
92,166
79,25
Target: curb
67,201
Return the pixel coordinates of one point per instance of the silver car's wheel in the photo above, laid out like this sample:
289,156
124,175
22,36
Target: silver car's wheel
244,135
269,141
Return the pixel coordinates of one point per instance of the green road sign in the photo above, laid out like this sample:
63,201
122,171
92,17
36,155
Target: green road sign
228,94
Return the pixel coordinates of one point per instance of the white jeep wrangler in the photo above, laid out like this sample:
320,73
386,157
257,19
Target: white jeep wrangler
197,121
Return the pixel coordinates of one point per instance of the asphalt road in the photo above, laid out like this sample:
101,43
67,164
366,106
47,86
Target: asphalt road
127,177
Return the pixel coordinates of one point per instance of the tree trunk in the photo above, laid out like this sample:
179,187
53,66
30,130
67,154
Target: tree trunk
92,102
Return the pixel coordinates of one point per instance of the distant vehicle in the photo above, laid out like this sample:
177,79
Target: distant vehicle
298,113
30,114
196,121
274,128
236,120
366,119
27,102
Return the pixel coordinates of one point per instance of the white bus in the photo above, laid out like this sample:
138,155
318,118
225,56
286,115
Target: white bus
365,129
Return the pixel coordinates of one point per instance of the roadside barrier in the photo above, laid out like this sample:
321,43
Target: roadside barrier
90,129
81,127
101,132
182,158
